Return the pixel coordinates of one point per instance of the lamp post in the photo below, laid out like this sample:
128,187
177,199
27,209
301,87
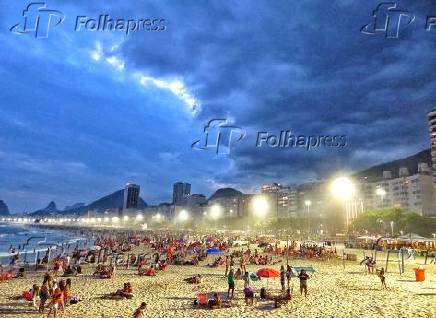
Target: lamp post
392,228
381,193
308,203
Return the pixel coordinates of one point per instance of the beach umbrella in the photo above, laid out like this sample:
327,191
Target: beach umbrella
268,273
214,251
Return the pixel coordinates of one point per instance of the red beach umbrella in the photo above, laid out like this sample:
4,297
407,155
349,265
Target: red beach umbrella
268,273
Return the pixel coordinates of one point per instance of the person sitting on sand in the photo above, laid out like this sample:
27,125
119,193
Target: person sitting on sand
196,279
69,271
249,295
216,302
126,292
139,312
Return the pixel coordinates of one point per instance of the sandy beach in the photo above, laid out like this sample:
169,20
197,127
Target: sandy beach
333,292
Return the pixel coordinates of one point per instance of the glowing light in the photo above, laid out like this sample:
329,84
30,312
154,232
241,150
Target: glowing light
380,191
343,188
125,218
183,215
139,217
115,219
106,219
260,206
215,211
307,203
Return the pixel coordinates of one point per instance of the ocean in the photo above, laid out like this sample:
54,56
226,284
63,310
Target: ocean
28,240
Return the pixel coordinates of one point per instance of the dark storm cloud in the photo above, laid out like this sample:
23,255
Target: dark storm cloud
302,65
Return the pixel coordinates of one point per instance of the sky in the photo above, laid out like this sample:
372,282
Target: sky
83,112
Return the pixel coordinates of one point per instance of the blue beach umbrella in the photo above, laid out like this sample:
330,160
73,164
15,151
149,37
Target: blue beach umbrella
214,251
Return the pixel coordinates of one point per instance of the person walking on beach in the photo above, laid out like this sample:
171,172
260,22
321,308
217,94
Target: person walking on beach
139,312
282,278
231,282
381,274
303,282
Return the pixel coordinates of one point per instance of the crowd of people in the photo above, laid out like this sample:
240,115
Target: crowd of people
165,249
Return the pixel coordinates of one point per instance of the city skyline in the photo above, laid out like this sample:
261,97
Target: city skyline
84,112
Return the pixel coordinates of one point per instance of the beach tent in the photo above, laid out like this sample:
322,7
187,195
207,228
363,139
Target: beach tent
412,237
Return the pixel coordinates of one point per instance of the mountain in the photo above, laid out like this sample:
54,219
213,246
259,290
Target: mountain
74,206
4,210
112,201
225,193
50,209
375,173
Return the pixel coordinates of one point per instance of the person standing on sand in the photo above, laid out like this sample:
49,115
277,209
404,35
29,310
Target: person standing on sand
231,282
282,278
381,274
246,280
303,282
289,275
139,312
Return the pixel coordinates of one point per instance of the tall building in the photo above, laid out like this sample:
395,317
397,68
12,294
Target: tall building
287,202
432,130
131,196
410,192
271,194
180,191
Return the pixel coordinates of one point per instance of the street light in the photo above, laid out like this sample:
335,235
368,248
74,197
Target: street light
308,203
215,212
344,190
183,215
139,217
260,206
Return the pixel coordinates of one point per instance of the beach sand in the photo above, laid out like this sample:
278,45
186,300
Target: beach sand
333,292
